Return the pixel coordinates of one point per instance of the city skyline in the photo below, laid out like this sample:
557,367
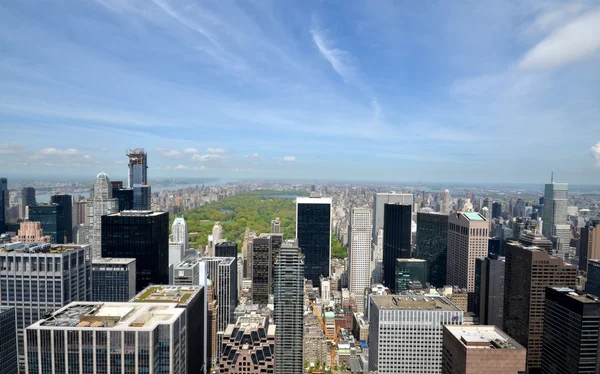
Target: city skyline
459,87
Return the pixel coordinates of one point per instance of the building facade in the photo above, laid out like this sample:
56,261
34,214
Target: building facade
397,232
27,200
411,273
489,290
359,255
571,332
468,234
226,249
528,271
432,245
137,166
379,200
289,310
66,201
101,203
31,232
405,333
89,337
556,228
40,279
589,247
262,263
113,279
8,341
313,231
143,235
592,285
481,349
4,204
52,220
249,346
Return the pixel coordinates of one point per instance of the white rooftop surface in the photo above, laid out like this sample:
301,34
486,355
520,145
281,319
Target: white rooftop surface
114,311
112,260
313,200
480,334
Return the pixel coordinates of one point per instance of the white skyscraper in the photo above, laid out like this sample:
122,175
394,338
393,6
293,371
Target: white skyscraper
100,204
556,227
179,231
359,256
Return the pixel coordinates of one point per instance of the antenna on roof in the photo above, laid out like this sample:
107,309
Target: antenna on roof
552,177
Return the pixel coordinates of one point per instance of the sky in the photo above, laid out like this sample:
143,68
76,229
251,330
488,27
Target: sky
458,91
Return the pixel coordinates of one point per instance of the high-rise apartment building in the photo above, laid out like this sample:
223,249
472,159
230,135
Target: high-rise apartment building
397,231
556,228
379,200
313,231
101,203
446,203
52,220
481,349
592,285
432,245
489,290
113,279
8,341
405,332
193,300
289,310
535,239
176,252
252,341
468,234
262,262
138,166
359,255
411,273
67,203
589,243
4,204
276,226
571,335
143,235
93,337
180,233
142,197
528,271
40,279
27,200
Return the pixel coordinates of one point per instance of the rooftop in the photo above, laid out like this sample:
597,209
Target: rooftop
579,296
191,261
473,216
410,260
414,302
5,308
313,200
167,294
136,213
111,260
20,247
121,316
482,337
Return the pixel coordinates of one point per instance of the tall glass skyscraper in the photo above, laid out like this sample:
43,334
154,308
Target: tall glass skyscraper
313,231
138,166
67,203
27,199
52,219
556,227
8,341
397,226
113,279
4,197
432,245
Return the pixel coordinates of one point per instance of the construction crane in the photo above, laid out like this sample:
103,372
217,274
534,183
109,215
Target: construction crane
333,341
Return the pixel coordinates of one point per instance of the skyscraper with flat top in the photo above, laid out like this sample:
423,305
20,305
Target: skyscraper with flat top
4,200
27,199
556,227
468,234
67,203
359,256
276,226
489,290
261,270
113,279
528,271
313,231
289,310
589,243
52,219
397,225
138,166
381,198
179,232
432,245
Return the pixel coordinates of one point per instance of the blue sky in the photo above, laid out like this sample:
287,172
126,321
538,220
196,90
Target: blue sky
494,91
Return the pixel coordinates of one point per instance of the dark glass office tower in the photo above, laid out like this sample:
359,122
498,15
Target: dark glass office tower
52,218
142,197
313,231
125,197
410,273
396,239
261,270
432,245
67,202
4,199
8,341
289,311
27,199
496,210
592,286
489,290
143,235
226,249
571,331
495,247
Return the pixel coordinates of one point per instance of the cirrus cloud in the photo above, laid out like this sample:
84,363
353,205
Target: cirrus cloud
289,159
253,155
206,157
58,152
596,153
216,150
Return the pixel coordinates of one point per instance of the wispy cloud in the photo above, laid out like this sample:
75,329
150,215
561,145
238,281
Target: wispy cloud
596,153
339,59
254,155
191,151
289,159
577,40
58,152
185,167
170,152
216,150
206,157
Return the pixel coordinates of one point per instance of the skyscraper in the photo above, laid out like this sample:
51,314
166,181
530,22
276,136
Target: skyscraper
359,256
535,239
447,202
571,332
38,280
143,235
432,245
556,228
289,310
405,332
123,195
410,272
467,241
4,203
142,197
67,203
496,210
27,199
261,270
313,231
528,270
52,219
276,226
397,225
226,249
8,341
100,204
592,285
379,199
589,243
179,232
138,166
489,290
113,279
93,337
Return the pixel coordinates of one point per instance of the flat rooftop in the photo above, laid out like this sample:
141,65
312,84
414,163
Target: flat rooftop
120,316
482,337
313,200
473,216
191,261
414,302
580,297
110,260
137,213
45,248
167,294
